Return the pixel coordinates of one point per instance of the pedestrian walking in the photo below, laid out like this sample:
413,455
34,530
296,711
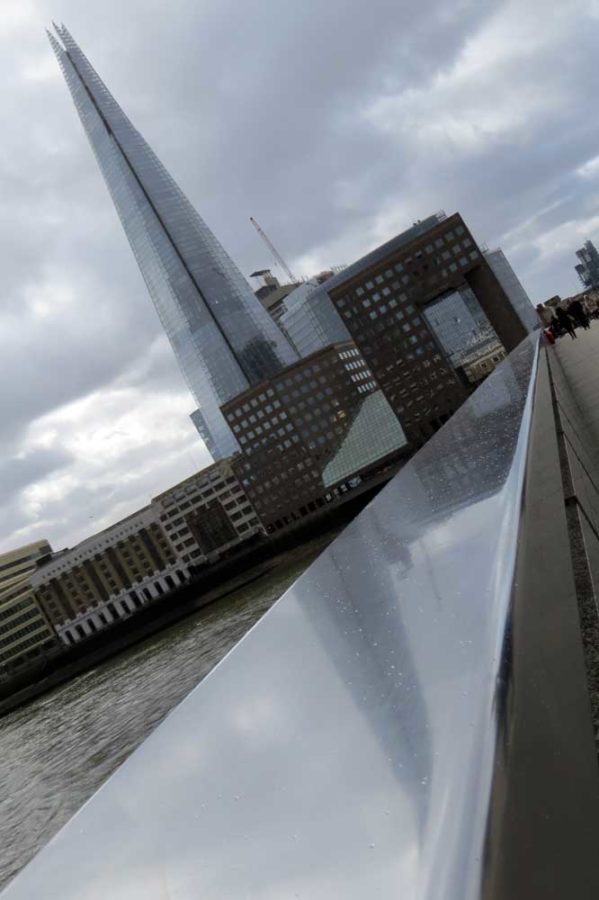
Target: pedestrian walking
566,322
545,314
556,326
578,313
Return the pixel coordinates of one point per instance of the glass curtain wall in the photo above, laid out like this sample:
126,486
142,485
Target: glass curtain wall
460,326
223,339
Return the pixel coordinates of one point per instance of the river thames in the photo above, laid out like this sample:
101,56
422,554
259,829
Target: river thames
57,751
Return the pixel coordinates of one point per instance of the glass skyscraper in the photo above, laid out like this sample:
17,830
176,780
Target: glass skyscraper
223,339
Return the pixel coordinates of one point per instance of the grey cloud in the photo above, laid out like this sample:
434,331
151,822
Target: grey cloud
261,109
18,472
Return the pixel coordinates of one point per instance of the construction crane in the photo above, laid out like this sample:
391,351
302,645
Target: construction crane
274,251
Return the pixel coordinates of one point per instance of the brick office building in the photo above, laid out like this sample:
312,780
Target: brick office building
207,515
382,299
309,431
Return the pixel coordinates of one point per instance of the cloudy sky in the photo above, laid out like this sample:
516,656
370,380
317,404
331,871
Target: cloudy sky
336,124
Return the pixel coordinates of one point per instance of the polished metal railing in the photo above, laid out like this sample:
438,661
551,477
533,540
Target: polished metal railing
357,743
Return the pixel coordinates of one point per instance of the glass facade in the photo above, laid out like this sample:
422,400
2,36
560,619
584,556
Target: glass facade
312,433
513,288
223,339
373,434
588,267
311,321
460,326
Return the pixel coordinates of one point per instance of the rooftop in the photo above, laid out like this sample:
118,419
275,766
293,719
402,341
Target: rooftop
374,256
300,364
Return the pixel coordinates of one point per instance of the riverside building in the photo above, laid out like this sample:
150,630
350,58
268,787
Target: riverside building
382,300
113,574
311,433
25,633
108,577
208,515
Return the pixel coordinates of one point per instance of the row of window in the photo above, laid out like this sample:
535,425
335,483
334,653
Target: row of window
279,432
232,498
201,486
67,562
13,608
400,268
32,642
255,402
305,372
356,365
261,415
23,630
24,617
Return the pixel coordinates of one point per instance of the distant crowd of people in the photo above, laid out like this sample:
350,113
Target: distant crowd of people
565,319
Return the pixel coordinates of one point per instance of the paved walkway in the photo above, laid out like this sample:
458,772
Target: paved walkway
580,363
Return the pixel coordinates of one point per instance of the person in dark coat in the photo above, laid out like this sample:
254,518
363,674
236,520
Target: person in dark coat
566,321
556,328
578,313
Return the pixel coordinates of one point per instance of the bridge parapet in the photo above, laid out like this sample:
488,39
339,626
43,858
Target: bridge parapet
411,719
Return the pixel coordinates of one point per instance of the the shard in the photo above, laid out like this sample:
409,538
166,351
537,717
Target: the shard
223,339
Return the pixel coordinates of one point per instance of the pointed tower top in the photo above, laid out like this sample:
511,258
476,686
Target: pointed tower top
66,37
56,45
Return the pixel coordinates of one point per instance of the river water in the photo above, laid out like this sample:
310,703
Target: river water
57,751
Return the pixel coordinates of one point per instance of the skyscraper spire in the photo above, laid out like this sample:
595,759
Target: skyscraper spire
223,339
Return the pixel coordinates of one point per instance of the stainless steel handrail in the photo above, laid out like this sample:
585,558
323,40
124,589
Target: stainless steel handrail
347,747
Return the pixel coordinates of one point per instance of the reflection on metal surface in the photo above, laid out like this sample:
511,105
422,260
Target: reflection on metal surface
345,748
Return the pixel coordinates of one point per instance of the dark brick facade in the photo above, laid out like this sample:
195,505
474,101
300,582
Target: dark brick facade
288,429
381,305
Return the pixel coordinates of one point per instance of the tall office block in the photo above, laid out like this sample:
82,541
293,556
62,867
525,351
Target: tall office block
588,267
383,300
25,633
513,288
314,431
223,339
208,515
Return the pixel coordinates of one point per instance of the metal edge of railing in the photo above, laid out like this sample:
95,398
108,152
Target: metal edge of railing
393,726
544,817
